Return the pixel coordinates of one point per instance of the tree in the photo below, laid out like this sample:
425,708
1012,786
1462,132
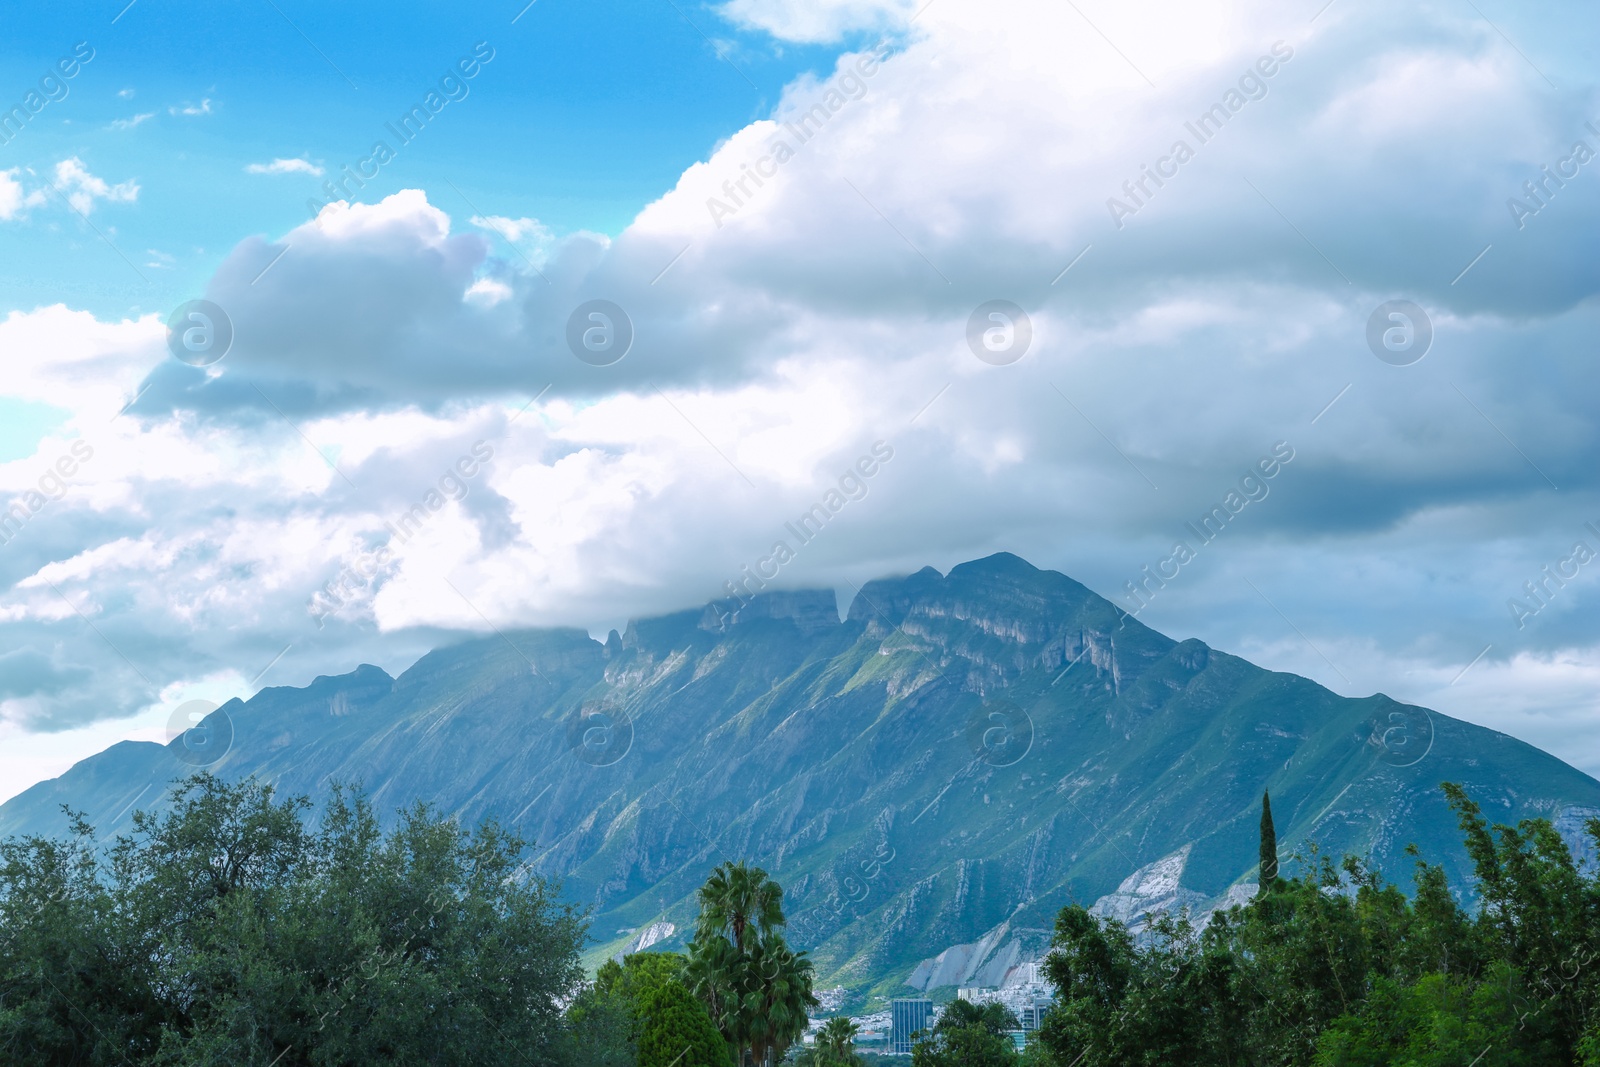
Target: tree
968,1035
757,991
1269,846
739,901
226,931
1334,967
601,1031
628,996
677,1032
836,1042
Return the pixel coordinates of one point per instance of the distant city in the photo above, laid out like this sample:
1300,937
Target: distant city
893,1031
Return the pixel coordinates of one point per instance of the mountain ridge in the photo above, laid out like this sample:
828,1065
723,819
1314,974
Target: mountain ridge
957,753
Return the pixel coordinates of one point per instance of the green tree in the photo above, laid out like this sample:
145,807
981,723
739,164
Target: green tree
757,990
1269,846
836,1042
226,931
739,902
1440,1021
677,1032
968,1035
620,1001
1337,968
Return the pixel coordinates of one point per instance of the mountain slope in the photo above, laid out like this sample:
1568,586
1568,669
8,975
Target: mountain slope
948,766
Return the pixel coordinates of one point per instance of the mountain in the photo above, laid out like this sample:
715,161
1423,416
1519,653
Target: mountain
931,778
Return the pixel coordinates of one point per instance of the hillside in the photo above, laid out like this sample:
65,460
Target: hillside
942,770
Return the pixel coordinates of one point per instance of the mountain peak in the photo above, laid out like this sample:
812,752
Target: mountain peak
972,750
1000,564
814,611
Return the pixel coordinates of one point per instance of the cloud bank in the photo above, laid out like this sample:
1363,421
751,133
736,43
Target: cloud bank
817,284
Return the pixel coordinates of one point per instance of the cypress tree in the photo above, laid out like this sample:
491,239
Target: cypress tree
1269,845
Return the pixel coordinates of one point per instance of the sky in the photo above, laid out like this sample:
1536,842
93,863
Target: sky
333,334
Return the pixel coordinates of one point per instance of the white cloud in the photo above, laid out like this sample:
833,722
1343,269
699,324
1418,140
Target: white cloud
130,123
82,189
830,310
286,166
13,198
488,291
125,94
202,108
814,21
514,230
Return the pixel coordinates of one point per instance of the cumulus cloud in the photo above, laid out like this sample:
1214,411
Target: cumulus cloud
202,108
82,188
286,166
806,291
133,121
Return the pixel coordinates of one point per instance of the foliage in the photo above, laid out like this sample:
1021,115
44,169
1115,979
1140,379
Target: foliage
228,932
1268,863
1336,968
836,1042
835,1047
757,990
636,1008
602,1030
677,1032
968,1035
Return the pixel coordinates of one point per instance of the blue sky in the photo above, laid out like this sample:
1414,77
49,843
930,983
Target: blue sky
587,113
1190,313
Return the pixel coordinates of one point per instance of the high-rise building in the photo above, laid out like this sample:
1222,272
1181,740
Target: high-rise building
906,1017
1032,1014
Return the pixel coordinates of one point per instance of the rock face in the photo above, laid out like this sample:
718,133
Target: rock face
931,778
989,961
650,936
1155,887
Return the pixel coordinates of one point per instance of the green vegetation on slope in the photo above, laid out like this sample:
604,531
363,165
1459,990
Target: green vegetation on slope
1336,968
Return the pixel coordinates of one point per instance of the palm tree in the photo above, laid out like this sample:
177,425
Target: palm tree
706,973
737,897
756,989
782,1000
837,1039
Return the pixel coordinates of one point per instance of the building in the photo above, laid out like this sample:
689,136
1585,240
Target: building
906,1017
975,994
1019,1040
1031,1014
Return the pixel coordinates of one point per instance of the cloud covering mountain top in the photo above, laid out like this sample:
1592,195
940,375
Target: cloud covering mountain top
817,283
